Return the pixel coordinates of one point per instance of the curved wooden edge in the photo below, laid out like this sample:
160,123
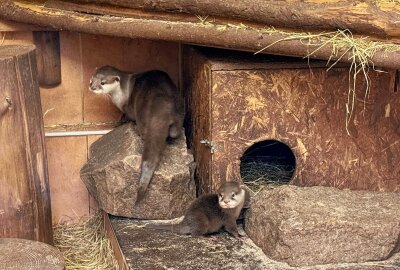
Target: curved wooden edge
206,33
370,17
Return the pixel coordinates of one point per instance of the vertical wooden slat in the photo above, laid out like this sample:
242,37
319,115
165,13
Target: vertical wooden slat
24,193
48,57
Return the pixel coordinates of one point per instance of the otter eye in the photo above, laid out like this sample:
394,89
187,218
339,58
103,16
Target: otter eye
233,195
103,83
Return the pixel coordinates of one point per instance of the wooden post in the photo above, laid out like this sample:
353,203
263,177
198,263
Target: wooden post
48,57
24,191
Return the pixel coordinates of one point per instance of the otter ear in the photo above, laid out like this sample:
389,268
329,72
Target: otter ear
117,78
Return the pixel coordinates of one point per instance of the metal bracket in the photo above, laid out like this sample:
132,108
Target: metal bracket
210,144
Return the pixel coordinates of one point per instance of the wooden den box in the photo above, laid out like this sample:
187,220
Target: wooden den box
235,100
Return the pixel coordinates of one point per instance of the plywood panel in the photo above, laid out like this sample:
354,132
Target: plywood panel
69,196
64,103
133,55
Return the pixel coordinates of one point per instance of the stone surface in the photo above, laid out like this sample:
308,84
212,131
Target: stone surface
112,174
321,225
148,249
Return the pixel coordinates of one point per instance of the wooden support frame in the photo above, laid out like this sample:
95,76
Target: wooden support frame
48,57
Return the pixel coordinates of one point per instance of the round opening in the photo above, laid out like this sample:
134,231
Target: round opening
267,162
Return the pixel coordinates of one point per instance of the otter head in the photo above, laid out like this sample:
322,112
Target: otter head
105,80
230,195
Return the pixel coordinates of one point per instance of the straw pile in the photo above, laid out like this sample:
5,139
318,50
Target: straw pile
84,245
258,175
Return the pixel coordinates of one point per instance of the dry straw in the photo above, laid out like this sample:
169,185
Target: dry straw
257,175
84,245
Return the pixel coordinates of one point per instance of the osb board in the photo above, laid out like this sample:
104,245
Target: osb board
306,110
249,101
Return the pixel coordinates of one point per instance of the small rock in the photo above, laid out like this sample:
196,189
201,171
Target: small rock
112,174
321,225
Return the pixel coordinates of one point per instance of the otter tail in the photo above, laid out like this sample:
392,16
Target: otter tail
180,228
154,144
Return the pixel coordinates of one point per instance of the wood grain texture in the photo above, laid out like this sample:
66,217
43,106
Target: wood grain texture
48,57
363,17
189,29
25,196
305,109
70,198
18,254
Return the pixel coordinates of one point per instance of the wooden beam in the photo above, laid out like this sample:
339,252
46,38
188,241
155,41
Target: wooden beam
369,17
184,28
24,191
48,57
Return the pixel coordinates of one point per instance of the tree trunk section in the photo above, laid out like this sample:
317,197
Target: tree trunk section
24,191
22,254
48,57
362,17
113,21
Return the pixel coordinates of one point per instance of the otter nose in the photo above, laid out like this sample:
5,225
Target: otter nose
92,87
226,201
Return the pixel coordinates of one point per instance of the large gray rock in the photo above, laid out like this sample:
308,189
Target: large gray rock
321,225
112,174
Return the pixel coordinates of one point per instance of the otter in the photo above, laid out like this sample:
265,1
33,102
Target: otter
210,212
152,101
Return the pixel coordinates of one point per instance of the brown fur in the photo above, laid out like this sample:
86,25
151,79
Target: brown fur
152,100
206,215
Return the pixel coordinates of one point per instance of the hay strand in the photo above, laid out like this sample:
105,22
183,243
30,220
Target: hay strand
84,245
257,175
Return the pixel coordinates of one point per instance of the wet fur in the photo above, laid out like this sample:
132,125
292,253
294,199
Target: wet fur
208,213
152,100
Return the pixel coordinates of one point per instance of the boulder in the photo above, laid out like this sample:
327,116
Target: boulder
306,226
112,174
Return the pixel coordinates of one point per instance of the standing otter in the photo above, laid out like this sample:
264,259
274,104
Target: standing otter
152,100
210,212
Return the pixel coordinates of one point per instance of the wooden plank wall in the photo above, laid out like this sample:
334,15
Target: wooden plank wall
72,103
